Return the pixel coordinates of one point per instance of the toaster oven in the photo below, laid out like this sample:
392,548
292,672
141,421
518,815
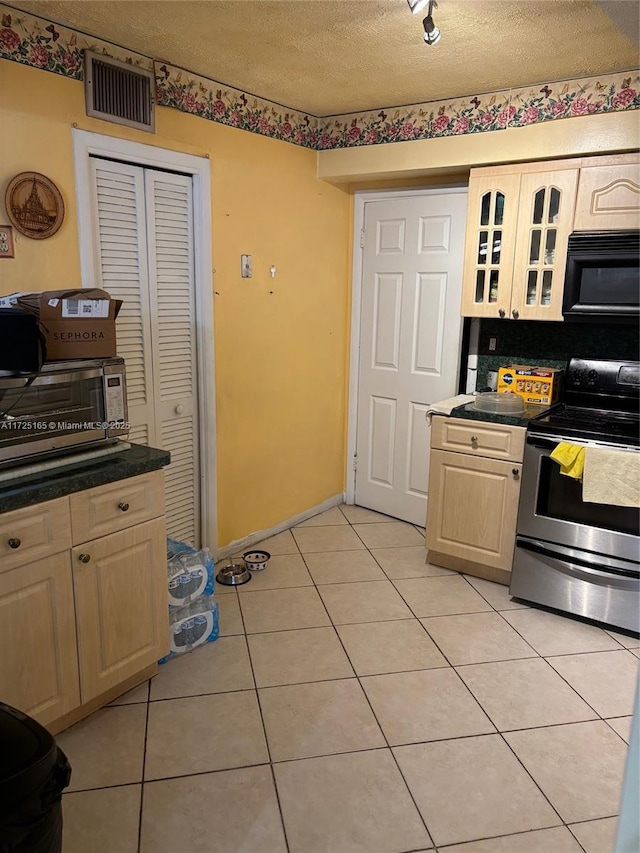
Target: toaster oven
64,407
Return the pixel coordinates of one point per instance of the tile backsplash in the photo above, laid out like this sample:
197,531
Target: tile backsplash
551,344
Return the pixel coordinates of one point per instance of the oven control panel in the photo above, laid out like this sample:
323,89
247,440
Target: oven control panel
601,375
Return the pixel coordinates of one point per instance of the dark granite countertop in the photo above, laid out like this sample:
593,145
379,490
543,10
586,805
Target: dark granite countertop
469,412
47,485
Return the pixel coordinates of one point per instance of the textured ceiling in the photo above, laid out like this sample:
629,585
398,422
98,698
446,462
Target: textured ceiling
337,56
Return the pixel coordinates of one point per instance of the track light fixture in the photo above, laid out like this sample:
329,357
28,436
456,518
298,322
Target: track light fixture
417,5
431,33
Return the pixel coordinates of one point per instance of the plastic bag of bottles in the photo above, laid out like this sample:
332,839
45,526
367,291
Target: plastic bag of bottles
192,626
190,573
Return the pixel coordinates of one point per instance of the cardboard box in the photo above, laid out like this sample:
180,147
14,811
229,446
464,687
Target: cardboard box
536,385
75,323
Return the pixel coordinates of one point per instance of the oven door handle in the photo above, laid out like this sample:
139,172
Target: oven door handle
536,440
605,565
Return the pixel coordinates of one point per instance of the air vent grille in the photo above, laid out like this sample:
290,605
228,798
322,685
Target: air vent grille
604,242
118,92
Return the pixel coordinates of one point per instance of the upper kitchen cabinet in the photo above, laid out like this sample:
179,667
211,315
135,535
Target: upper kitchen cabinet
545,220
609,197
518,226
490,243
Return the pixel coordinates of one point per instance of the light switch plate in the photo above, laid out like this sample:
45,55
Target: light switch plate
246,266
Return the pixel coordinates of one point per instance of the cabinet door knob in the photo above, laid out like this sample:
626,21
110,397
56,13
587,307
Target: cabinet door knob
179,409
14,543
515,472
515,313
123,506
84,558
501,312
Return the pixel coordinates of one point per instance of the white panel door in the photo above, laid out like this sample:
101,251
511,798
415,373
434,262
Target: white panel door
143,234
409,343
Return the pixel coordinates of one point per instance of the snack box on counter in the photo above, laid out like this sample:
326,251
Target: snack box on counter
536,385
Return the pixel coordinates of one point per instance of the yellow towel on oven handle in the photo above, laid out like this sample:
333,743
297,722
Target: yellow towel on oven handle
570,457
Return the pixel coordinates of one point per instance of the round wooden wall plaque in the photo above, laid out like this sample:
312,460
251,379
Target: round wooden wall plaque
34,205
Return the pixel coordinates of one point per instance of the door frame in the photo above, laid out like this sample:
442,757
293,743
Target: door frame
87,144
361,199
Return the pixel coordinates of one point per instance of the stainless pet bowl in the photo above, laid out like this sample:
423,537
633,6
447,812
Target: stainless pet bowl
256,560
233,575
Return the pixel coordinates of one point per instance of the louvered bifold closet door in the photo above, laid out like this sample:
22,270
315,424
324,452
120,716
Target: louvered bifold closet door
169,209
120,242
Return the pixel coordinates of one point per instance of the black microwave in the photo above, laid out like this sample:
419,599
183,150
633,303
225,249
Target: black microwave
602,279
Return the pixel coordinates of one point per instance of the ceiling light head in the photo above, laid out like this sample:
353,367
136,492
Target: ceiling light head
417,5
431,33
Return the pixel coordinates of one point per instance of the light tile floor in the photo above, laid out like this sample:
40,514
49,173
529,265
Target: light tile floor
360,701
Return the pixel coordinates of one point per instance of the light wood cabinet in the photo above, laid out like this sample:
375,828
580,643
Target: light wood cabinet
27,535
545,221
608,197
481,438
39,657
474,487
519,220
121,607
83,616
473,505
490,243
116,506
518,226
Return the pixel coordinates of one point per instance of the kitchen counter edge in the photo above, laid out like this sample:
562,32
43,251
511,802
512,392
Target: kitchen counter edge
58,482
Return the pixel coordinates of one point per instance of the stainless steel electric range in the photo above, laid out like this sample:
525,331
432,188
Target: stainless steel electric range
579,557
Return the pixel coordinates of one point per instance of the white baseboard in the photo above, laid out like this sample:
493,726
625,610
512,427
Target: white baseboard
242,544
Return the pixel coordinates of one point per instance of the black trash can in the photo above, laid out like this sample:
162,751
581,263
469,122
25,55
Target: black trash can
33,774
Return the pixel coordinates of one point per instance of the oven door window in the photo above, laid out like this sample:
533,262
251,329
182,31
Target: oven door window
58,407
560,497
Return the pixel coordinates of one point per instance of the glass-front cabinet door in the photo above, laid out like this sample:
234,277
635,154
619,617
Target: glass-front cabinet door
490,243
545,220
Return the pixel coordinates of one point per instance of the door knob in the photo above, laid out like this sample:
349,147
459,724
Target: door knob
501,312
515,313
179,409
84,558
14,543
123,506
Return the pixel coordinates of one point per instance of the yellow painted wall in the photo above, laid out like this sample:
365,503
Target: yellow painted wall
281,359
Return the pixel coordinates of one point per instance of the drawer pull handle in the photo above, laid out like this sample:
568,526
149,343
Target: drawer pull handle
474,439
515,472
84,558
14,543
123,506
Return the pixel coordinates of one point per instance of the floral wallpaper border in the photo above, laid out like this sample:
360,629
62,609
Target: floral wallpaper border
39,43
34,41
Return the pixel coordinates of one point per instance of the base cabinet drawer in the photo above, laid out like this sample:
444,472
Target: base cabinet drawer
120,589
497,441
39,655
27,535
116,506
472,508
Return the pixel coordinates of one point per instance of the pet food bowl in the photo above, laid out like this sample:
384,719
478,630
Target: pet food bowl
233,575
256,560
